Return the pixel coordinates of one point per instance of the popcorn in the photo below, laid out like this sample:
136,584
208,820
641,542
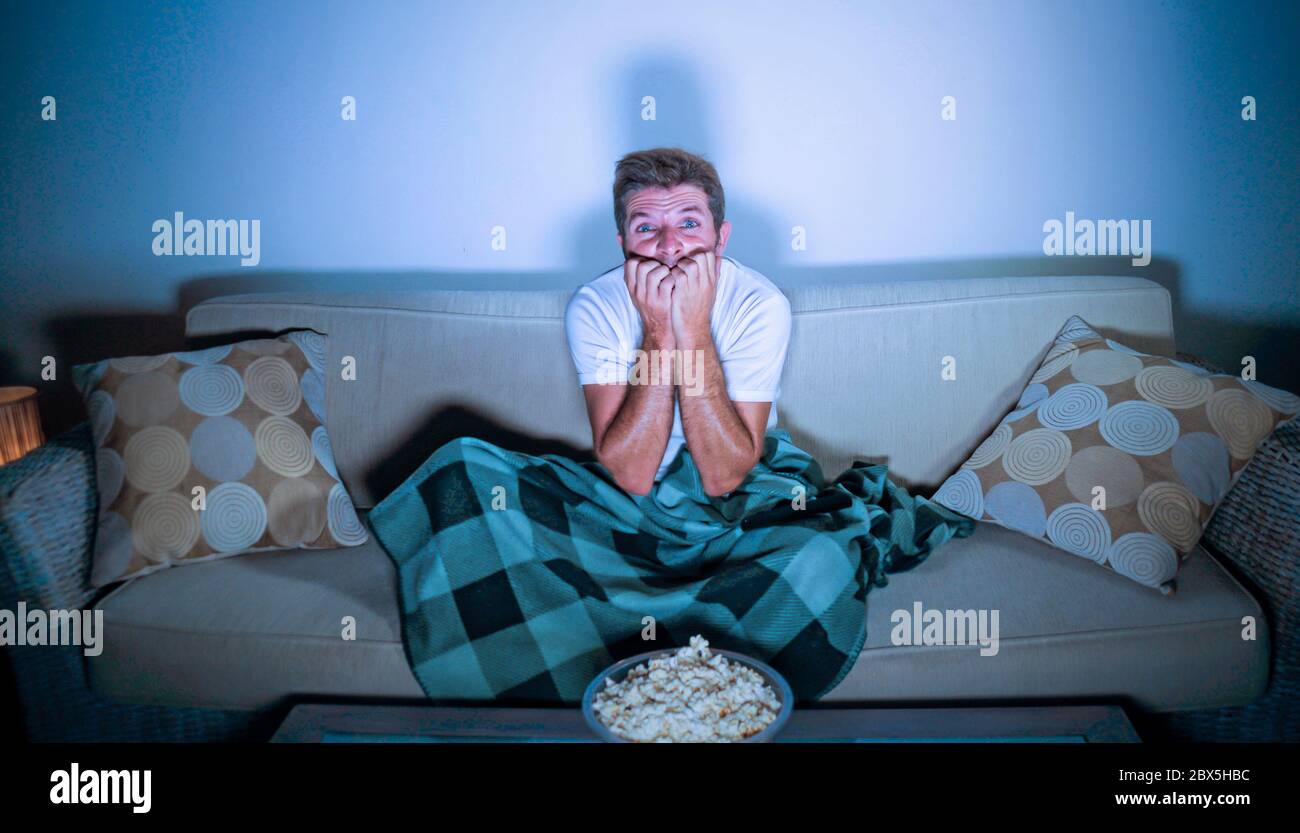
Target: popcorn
692,695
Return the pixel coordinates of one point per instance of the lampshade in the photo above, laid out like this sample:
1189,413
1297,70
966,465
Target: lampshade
20,423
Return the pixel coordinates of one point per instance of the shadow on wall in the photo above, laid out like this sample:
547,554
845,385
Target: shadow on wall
682,119
90,336
759,239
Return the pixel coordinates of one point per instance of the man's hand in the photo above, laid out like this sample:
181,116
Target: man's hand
692,298
650,283
631,423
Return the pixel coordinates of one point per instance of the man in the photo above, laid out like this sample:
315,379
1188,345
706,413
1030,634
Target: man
523,576
710,335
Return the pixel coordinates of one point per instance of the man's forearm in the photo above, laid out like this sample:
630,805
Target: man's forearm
634,443
719,442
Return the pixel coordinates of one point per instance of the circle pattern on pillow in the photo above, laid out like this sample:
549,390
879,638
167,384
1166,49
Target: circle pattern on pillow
165,527
283,447
1242,420
1143,557
313,392
235,518
1037,456
1073,406
1104,367
345,526
1171,511
1172,387
157,459
1080,529
992,447
1139,428
273,386
1121,460
148,398
962,493
222,449
1116,472
1035,394
220,452
297,512
212,390
1058,358
313,346
1075,329
1018,506
320,447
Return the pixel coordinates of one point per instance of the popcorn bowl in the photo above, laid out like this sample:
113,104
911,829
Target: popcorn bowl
619,670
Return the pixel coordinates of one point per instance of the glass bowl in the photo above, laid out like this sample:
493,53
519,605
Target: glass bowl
619,670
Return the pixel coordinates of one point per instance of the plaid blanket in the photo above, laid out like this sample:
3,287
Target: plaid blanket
522,577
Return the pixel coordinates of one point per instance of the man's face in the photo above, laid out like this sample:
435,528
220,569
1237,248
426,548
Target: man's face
667,224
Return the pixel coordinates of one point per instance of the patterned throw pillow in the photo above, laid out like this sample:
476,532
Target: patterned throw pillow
213,453
1117,456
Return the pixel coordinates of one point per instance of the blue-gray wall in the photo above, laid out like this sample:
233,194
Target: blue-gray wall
475,115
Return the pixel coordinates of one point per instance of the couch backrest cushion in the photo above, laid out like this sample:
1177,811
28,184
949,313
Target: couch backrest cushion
864,378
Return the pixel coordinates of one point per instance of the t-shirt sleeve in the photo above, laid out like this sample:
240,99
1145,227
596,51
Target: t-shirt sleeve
594,344
753,362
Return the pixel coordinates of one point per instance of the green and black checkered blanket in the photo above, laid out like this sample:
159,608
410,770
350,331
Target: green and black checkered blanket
522,577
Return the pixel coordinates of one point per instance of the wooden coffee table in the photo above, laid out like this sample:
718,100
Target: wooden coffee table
335,723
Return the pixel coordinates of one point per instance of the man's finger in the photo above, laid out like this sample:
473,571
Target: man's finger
688,266
702,262
638,283
632,272
658,275
646,267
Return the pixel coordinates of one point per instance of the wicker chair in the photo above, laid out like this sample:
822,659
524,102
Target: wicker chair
1255,534
43,562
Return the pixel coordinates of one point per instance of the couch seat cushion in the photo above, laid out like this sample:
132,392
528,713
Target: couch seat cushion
1067,629
244,633
255,631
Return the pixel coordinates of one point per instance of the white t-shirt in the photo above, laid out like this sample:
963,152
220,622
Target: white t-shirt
750,325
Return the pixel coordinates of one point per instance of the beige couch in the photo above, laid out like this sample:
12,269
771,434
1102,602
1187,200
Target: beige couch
862,382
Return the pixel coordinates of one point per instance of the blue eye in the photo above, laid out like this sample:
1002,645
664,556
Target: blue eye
644,227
